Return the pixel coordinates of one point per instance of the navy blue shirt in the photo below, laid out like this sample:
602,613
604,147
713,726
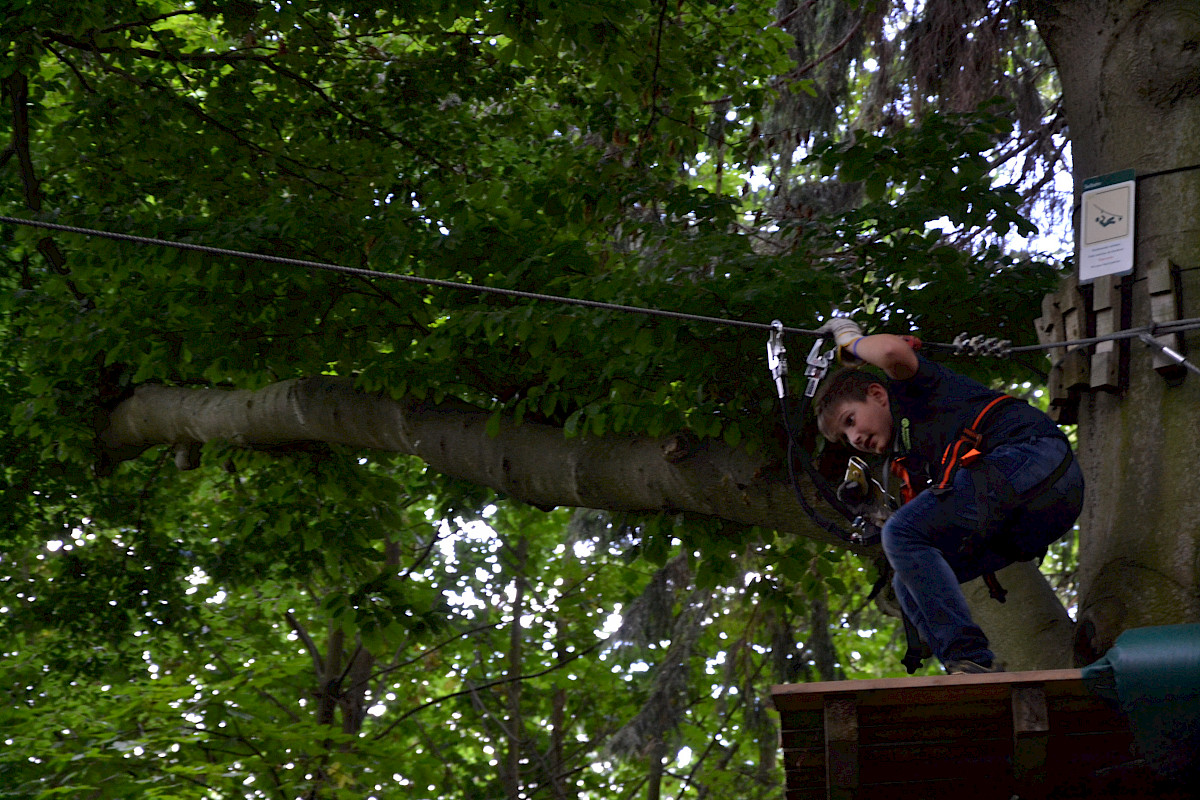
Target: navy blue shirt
930,410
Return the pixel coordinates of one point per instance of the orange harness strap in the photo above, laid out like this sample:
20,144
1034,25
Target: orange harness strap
907,490
966,448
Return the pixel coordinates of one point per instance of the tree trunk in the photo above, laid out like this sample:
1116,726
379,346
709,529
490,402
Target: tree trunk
327,689
518,558
820,641
657,752
1130,71
1031,629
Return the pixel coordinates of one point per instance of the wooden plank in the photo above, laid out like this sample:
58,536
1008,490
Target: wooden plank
965,760
947,731
804,794
792,739
1031,735
919,788
1106,313
929,688
1079,716
1082,750
809,778
1162,279
841,747
797,720
911,716
1034,734
1030,717
1064,318
1076,363
803,758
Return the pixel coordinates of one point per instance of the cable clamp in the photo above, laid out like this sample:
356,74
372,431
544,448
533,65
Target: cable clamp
982,346
1174,356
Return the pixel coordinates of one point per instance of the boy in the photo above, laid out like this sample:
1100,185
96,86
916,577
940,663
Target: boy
987,480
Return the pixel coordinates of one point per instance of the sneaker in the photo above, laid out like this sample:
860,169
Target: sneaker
965,666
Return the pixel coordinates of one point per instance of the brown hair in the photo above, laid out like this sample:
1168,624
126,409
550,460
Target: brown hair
845,386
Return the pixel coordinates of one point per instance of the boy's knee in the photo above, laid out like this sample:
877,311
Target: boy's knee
900,538
888,538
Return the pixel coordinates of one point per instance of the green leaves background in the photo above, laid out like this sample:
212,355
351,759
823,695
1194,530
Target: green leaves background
322,623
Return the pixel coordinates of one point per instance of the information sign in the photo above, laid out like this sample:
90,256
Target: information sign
1106,226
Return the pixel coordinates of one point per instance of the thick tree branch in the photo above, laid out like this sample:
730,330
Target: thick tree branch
533,463
16,86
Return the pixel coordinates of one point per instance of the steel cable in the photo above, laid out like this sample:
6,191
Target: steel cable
995,347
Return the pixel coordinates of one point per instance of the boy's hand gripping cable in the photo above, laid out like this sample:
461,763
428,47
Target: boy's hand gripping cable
816,366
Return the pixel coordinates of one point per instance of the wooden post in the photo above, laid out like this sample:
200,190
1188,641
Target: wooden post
1162,282
841,747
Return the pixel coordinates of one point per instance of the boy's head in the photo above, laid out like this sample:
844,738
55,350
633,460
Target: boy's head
853,407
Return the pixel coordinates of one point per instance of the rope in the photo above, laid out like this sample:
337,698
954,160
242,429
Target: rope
366,273
962,345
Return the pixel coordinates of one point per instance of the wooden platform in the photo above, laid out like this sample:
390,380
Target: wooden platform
976,737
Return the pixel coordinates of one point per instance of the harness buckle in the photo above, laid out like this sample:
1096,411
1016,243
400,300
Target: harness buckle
968,458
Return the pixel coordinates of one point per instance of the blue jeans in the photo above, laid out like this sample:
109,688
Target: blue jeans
1012,520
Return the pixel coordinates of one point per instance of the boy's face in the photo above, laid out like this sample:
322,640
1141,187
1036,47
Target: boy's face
865,425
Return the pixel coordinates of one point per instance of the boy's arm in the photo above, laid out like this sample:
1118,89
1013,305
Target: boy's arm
890,353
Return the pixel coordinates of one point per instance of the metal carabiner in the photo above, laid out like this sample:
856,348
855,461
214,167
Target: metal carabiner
777,358
818,365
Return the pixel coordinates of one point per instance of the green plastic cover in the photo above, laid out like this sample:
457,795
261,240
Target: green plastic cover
1153,675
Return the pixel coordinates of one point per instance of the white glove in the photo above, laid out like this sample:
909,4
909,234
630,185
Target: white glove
843,330
845,333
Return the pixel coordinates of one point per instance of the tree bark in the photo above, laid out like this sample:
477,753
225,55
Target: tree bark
1130,71
532,463
1031,629
511,776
